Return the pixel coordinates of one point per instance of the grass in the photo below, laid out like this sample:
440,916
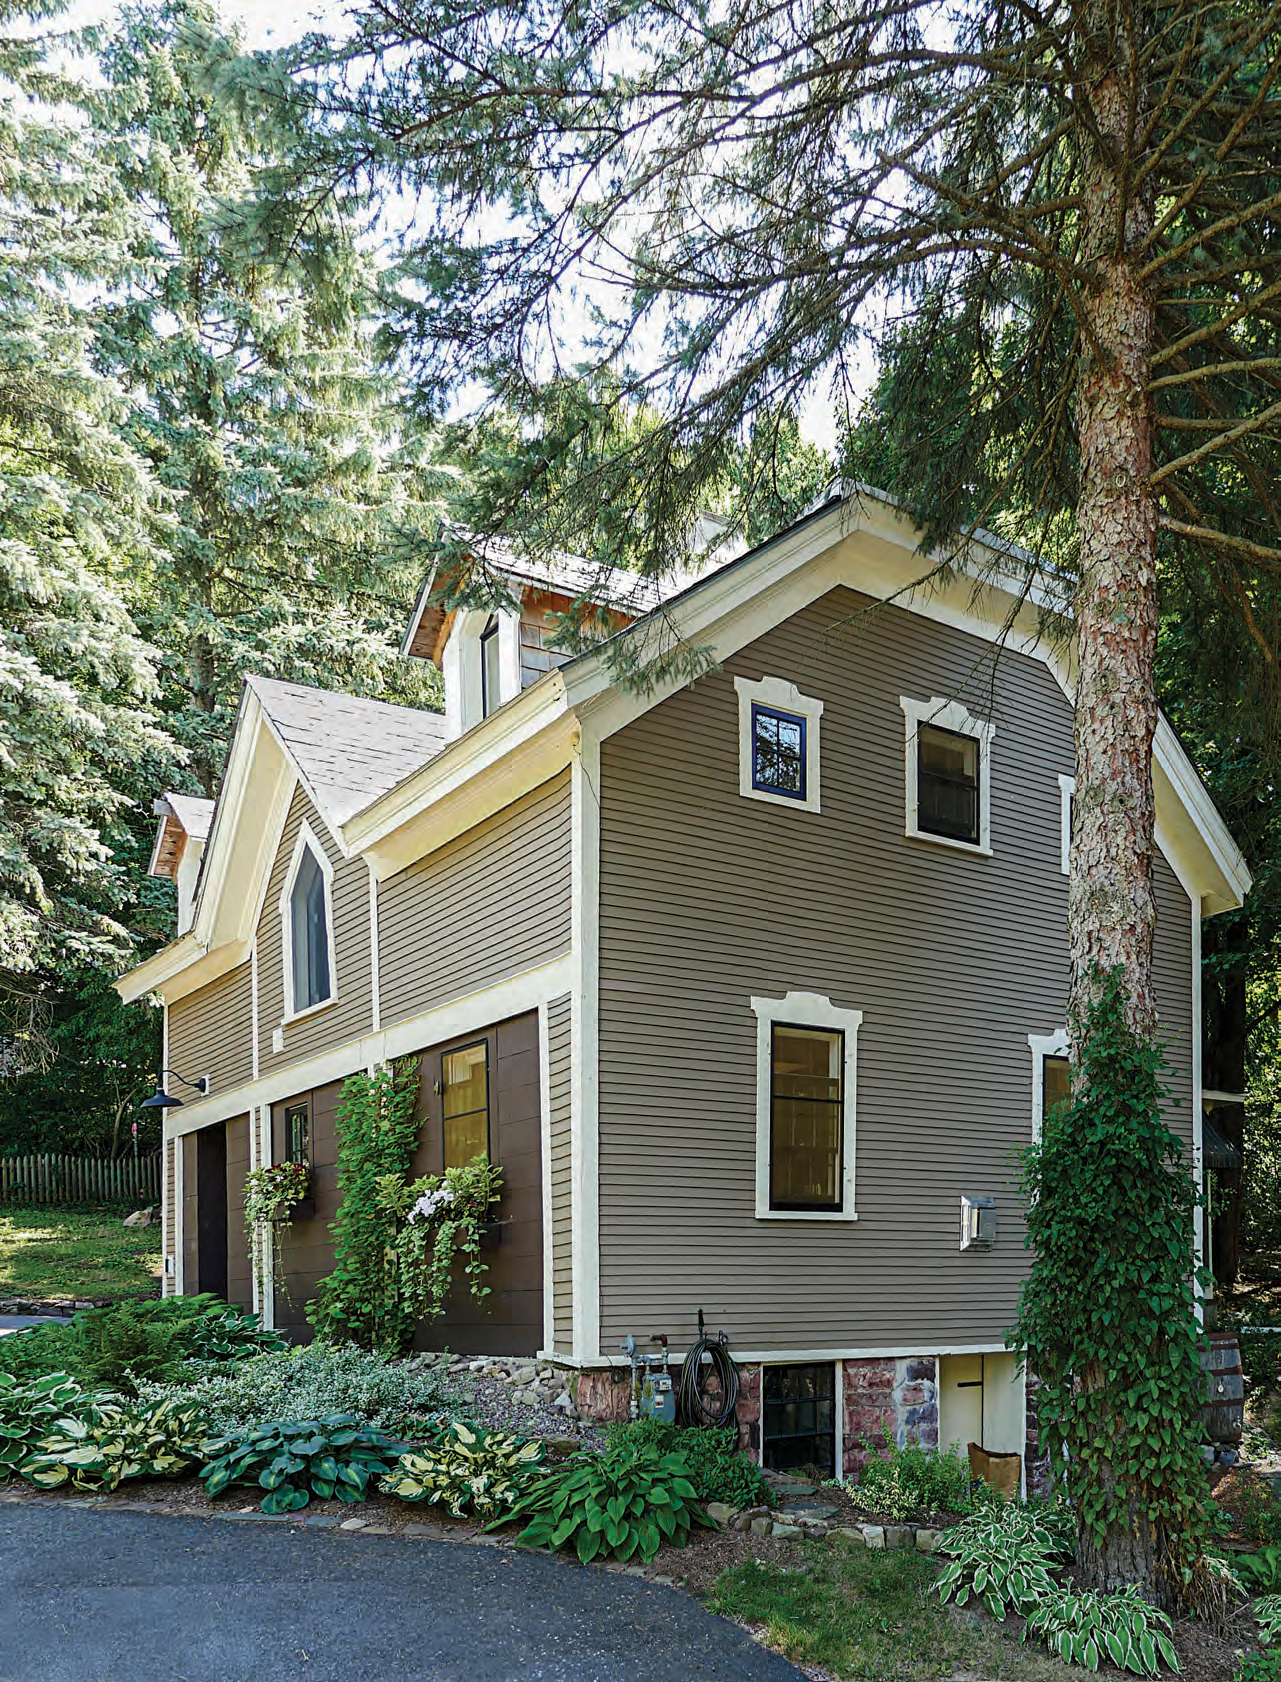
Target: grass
52,1252
873,1617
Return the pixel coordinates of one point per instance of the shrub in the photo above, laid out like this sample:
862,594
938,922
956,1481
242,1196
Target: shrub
309,1383
627,1502
912,1480
466,1469
113,1442
1267,1614
1257,1512
1004,1559
233,1336
333,1458
30,1410
1083,1628
1261,1570
1260,1667
717,1470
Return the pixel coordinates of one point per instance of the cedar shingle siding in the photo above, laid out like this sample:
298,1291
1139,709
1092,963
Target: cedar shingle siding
707,899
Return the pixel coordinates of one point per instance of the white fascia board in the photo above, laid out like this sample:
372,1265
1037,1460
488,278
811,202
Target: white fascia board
153,973
1192,821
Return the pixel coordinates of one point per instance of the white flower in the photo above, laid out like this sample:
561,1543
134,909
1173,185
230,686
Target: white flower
431,1202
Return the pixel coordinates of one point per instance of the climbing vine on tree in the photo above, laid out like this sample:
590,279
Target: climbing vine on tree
1106,1314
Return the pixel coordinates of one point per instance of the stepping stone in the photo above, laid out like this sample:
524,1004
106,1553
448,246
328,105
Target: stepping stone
805,1512
323,1521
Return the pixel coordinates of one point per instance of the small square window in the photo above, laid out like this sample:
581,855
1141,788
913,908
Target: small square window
947,801
778,752
298,1133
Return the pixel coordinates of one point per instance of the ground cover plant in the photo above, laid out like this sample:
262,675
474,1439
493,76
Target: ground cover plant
1004,1558
468,1470
332,1458
30,1411
1088,1628
113,1441
1260,1572
394,1396
717,1470
1267,1615
52,1252
626,1502
910,1481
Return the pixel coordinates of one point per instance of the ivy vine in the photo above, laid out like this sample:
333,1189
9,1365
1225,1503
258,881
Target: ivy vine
271,1193
1107,1317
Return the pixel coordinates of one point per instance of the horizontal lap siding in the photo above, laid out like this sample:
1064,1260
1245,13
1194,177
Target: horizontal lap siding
351,1014
211,1033
1172,964
559,1083
708,898
487,906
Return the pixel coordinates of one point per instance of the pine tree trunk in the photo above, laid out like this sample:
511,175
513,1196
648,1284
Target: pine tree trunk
1111,905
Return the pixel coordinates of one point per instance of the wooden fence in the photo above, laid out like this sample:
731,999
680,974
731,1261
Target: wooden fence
79,1179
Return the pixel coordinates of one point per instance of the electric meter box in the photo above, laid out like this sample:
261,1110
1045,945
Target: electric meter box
978,1222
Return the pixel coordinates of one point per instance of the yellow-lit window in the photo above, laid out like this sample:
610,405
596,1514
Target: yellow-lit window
464,1085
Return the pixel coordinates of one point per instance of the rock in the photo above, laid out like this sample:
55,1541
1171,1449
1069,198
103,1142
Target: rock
842,1533
526,1398
762,1526
564,1401
927,1540
526,1375
721,1511
740,1521
666,1581
564,1445
788,1532
141,1218
546,1372
477,1366
899,1536
873,1535
354,1524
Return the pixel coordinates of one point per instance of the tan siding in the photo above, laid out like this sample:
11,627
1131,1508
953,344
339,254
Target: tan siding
211,1033
351,1014
708,898
487,906
559,1081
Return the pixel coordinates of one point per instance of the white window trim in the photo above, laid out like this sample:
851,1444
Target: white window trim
307,841
1042,1046
804,1010
948,715
785,697
1067,788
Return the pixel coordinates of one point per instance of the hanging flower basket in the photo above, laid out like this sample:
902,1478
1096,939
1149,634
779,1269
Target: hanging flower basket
303,1209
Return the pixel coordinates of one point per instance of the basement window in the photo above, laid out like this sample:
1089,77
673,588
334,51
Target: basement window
798,1423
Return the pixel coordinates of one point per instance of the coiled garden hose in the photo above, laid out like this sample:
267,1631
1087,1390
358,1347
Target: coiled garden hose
709,1387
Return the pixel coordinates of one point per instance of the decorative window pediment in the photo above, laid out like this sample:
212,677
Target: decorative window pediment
778,743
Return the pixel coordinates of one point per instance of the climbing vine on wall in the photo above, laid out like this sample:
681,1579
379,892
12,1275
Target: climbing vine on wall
1107,1313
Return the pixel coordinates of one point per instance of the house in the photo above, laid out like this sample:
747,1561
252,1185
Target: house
753,983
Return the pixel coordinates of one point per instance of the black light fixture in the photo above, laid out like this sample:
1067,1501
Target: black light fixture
162,1100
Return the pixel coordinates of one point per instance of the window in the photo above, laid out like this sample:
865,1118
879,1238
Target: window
306,910
799,1418
947,774
464,1085
778,757
1049,1075
805,1108
1067,794
490,682
298,1133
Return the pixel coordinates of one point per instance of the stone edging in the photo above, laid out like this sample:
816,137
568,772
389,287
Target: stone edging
793,1527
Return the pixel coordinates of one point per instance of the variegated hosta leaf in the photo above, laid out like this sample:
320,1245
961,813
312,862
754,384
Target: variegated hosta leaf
485,1472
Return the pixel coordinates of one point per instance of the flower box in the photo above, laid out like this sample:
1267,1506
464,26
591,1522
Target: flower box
491,1234
303,1210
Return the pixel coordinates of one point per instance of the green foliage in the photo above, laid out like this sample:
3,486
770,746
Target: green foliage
1260,1570
46,1251
1003,1559
467,1469
113,1441
1259,1667
1106,1315
30,1410
271,1192
628,1502
392,1396
1257,1512
1088,1628
1267,1614
377,1137
233,1336
717,1470
332,1458
901,1482
442,1216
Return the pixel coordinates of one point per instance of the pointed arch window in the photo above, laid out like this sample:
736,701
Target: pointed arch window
306,908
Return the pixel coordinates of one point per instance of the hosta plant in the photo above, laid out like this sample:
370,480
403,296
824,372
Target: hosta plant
332,1458
1085,1628
1267,1614
233,1336
29,1411
112,1442
625,1503
1004,1559
468,1470
1260,1570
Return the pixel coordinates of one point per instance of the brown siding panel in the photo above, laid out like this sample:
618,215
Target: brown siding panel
168,1282
491,904
707,899
307,1246
559,1082
211,1033
240,1273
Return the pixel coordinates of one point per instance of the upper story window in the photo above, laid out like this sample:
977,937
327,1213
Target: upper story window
1067,799
1051,1076
806,1058
491,693
948,774
464,1086
778,743
307,913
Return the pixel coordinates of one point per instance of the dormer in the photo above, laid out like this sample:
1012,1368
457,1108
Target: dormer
179,847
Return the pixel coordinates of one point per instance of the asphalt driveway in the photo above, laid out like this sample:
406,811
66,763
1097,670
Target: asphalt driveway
96,1596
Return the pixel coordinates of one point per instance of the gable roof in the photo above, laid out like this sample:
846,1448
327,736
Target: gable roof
347,750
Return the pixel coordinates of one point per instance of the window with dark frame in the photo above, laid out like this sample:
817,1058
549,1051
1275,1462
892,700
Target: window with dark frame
799,1418
1056,1085
807,1117
778,752
298,1133
490,686
947,783
464,1085
309,934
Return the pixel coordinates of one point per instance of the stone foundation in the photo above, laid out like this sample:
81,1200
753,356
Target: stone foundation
888,1401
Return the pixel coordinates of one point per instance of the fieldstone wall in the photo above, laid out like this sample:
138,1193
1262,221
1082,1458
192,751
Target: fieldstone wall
888,1400
1036,1459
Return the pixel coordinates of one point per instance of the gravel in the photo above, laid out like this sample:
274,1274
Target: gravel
529,1398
